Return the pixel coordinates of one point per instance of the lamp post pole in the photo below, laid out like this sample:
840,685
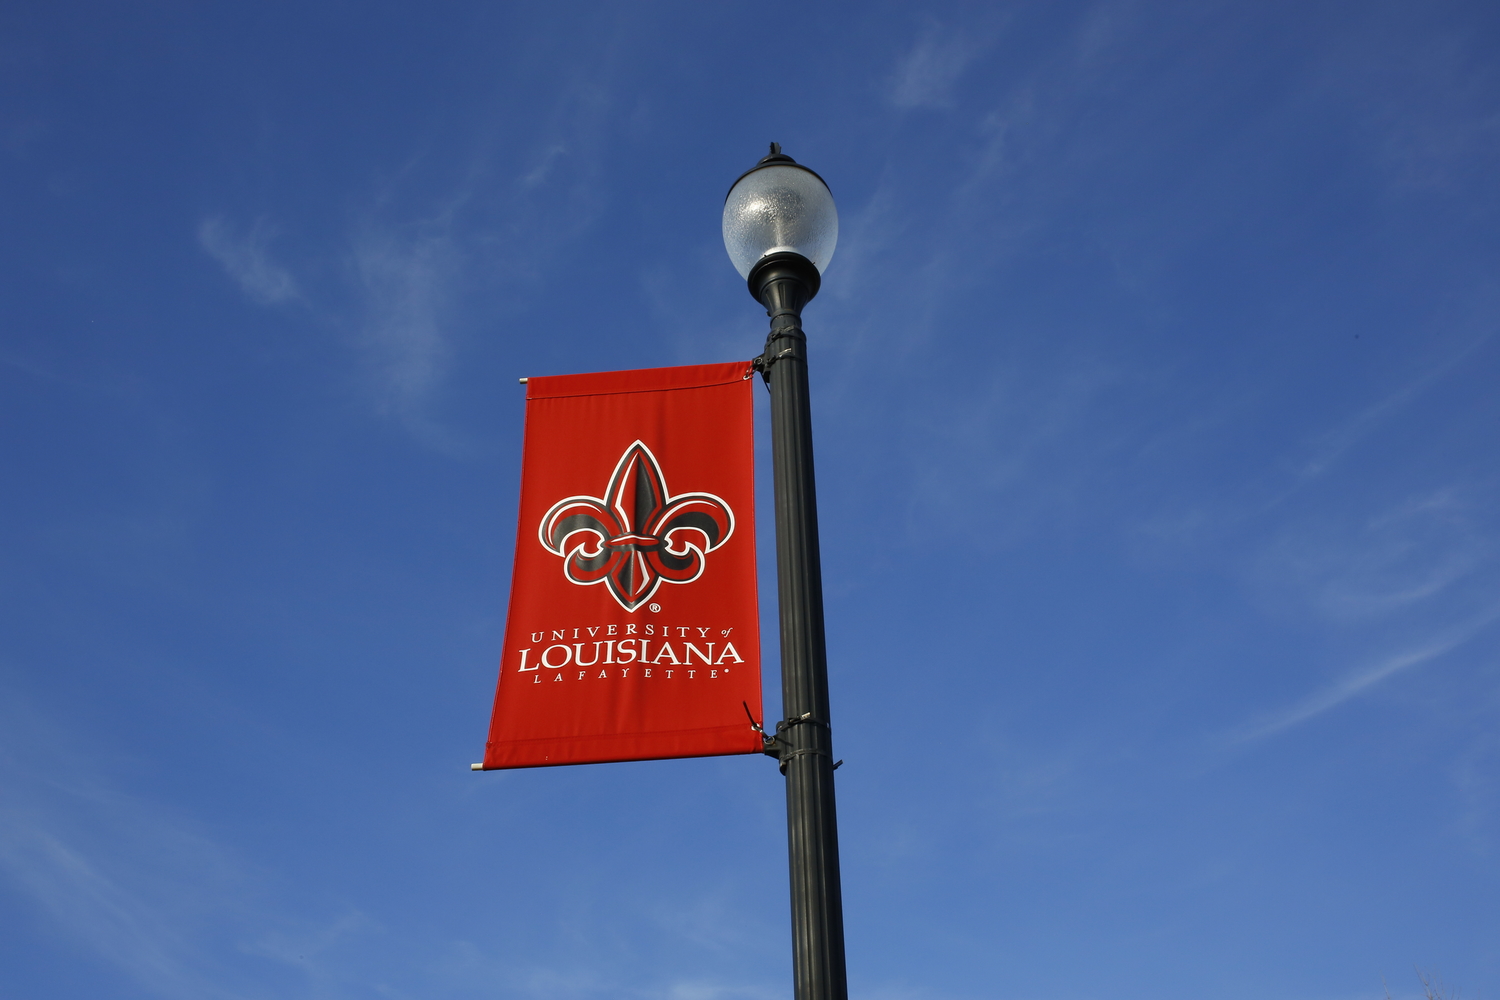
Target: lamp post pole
784,280
805,734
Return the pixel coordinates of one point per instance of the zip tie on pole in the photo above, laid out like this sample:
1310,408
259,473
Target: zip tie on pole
774,746
806,751
799,720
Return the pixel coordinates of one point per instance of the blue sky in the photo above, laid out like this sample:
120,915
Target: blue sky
1154,385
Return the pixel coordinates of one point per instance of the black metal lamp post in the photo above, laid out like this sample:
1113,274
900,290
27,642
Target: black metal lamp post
780,228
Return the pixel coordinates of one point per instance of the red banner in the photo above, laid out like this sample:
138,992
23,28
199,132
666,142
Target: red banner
633,631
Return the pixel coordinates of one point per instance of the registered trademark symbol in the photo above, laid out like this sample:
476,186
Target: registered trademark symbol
655,607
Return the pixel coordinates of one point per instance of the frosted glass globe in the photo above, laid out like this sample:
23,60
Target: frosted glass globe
780,207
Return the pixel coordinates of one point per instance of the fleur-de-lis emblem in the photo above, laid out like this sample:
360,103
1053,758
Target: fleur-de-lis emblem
637,535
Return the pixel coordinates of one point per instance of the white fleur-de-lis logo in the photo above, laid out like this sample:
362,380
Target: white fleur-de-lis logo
636,536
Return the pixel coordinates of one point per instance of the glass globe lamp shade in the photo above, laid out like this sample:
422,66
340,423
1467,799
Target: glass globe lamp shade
780,207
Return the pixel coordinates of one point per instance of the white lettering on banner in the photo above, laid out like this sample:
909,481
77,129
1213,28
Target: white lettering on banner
636,649
625,672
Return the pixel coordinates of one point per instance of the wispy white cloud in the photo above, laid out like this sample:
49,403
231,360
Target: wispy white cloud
117,877
97,909
1428,114
1003,446
1475,776
543,169
405,282
1351,570
147,889
246,257
926,74
705,990
309,951
1355,683
420,261
1331,445
475,969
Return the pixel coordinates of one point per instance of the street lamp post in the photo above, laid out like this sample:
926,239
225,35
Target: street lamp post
780,228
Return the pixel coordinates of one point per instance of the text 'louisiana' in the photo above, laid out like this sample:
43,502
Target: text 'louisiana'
625,651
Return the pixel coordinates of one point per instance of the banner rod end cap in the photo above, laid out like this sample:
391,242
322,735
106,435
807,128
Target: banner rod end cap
476,767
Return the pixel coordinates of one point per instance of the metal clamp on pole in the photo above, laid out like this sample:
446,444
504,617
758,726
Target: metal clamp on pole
781,749
770,355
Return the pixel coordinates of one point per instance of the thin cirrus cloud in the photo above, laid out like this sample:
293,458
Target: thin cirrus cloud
400,283
925,75
143,889
137,889
1332,445
404,282
1357,682
1352,571
119,926
246,258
